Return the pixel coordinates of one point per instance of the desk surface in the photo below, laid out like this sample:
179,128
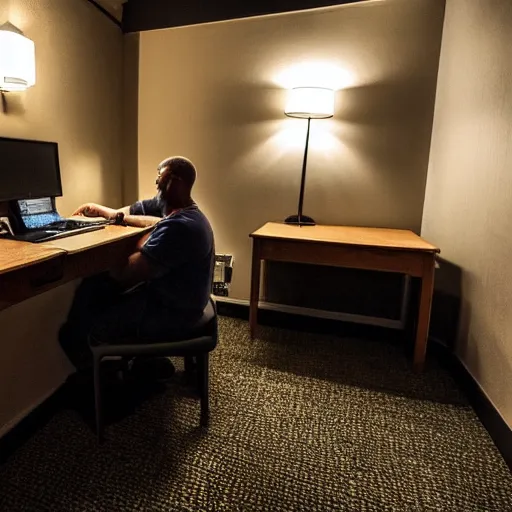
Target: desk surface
15,255
28,269
347,235
84,241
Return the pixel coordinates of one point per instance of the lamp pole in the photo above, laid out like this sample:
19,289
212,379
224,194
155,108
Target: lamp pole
303,178
299,219
308,103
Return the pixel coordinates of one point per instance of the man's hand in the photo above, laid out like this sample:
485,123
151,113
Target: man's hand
96,210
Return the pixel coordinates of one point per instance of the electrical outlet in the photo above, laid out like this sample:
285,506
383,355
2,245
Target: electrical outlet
5,226
222,274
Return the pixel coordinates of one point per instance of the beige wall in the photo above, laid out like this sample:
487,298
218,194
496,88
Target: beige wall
76,102
215,93
130,127
468,206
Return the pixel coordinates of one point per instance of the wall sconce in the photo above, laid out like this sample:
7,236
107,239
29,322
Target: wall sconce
17,60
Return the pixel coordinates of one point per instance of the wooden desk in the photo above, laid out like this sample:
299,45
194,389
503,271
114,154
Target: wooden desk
28,269
389,250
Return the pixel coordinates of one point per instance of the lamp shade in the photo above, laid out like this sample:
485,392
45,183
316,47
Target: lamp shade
17,61
310,103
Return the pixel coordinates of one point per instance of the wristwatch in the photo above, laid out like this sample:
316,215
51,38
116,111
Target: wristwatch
119,218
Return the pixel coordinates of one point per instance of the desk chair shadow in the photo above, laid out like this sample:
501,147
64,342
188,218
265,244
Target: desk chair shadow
196,343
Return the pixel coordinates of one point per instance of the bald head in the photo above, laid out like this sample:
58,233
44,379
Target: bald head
176,177
181,168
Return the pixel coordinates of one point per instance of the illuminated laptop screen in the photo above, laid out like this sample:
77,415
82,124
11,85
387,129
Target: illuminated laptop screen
36,213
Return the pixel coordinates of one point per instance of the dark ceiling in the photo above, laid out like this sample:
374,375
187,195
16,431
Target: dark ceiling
141,15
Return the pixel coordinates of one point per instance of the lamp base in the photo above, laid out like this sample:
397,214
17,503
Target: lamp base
303,220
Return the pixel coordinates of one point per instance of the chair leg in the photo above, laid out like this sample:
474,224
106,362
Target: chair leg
97,398
202,382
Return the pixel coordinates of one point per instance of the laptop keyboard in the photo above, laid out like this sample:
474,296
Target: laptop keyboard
47,234
67,224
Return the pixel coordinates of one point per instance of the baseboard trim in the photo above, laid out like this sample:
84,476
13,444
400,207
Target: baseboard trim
5,429
20,430
487,412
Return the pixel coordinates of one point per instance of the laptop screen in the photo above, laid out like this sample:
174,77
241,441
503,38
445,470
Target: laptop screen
37,213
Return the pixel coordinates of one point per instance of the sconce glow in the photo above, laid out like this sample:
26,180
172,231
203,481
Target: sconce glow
310,102
17,60
314,74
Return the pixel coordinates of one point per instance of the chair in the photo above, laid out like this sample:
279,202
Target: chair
197,343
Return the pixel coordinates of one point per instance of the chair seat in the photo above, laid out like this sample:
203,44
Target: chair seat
204,324
195,342
200,337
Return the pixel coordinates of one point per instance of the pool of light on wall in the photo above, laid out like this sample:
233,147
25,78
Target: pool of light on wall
313,74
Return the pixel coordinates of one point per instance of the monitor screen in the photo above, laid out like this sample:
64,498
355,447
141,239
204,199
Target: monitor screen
28,169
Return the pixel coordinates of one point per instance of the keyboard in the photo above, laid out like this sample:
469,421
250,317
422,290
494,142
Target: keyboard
52,233
66,224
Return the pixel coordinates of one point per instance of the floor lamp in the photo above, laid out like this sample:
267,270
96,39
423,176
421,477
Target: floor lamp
308,103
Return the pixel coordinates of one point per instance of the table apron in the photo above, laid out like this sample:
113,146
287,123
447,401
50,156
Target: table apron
367,258
37,278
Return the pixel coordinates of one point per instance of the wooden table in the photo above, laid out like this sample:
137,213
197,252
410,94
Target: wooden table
28,269
389,250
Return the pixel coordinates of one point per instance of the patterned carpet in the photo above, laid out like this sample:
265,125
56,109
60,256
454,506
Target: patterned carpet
300,422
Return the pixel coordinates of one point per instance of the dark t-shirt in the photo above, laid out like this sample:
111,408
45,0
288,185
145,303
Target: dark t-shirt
182,244
154,207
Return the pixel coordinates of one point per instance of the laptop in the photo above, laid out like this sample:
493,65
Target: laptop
37,220
30,181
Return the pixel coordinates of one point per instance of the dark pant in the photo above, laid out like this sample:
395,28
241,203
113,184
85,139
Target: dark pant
102,312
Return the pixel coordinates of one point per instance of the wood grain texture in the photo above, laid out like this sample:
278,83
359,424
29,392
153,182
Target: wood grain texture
85,241
427,291
347,235
390,250
348,256
15,255
28,269
31,280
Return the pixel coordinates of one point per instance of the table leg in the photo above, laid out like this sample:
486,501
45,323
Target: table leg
255,286
427,290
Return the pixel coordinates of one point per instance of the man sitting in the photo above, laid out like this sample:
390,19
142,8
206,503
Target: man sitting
165,284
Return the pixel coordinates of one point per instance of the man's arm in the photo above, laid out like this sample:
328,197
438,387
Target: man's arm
98,210
137,212
141,221
138,268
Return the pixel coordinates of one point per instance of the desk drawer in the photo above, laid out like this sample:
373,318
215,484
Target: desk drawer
26,282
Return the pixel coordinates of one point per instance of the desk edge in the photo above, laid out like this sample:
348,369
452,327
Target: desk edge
432,250
52,253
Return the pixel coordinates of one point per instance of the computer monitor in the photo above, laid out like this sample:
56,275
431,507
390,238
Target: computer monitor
29,169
